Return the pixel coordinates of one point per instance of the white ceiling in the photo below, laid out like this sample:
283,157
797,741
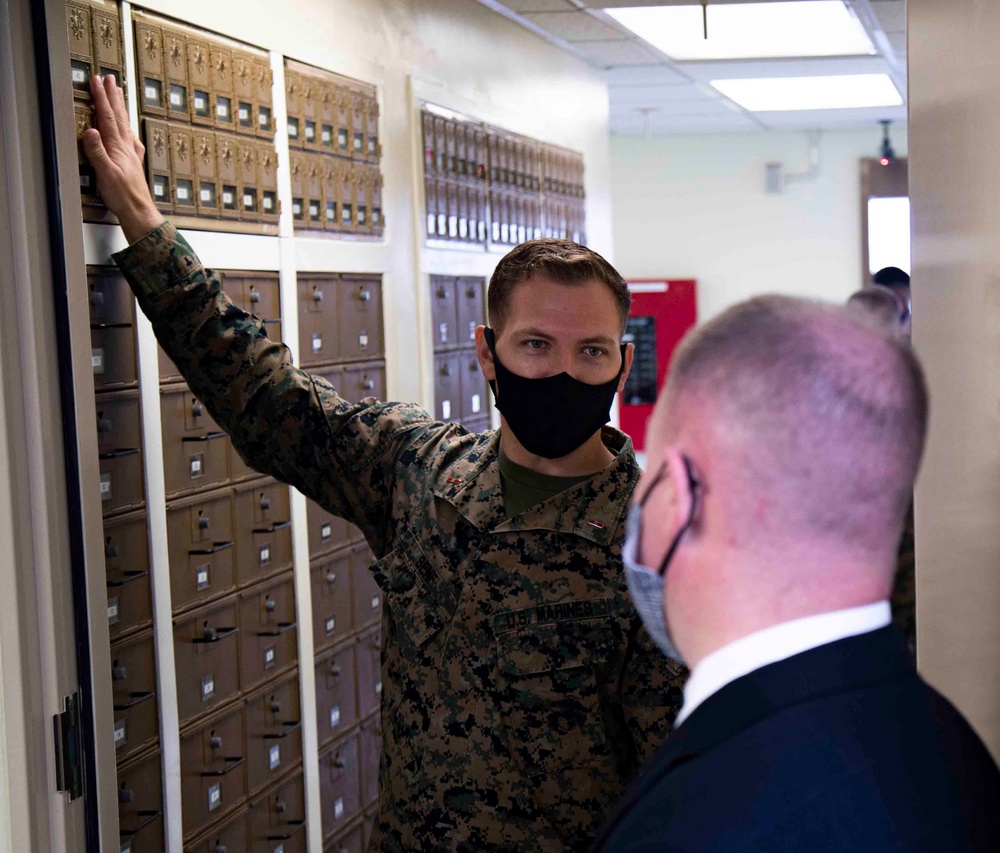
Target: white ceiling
651,93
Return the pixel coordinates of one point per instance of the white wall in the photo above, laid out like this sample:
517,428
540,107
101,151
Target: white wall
695,207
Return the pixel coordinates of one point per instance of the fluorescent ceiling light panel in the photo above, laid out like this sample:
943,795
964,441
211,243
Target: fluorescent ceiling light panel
750,30
781,94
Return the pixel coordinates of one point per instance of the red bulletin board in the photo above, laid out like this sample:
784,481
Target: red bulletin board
662,312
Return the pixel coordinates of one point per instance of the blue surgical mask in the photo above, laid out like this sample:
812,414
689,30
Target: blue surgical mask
646,584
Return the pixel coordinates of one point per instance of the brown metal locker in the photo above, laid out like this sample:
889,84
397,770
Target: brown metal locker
336,692
332,600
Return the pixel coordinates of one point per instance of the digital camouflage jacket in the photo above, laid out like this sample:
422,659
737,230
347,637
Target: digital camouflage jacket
520,693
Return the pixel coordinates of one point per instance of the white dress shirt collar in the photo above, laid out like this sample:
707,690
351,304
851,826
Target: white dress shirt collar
777,643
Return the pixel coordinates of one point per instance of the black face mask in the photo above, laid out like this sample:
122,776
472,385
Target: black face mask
553,416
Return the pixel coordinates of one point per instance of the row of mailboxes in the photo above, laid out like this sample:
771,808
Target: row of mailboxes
456,211
460,389
562,172
140,805
565,219
456,310
196,171
348,778
515,218
345,597
340,318
233,645
354,382
187,76
334,194
348,685
332,114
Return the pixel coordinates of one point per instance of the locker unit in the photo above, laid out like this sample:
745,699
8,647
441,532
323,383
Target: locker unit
461,393
456,179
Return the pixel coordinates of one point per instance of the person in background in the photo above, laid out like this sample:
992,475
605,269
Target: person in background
898,282
520,693
761,551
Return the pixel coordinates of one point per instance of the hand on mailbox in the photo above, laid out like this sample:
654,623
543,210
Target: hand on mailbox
116,154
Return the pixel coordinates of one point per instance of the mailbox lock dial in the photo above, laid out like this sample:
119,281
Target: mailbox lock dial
125,795
275,707
335,670
119,672
216,742
270,605
331,577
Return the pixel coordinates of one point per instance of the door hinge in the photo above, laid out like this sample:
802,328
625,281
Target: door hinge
69,757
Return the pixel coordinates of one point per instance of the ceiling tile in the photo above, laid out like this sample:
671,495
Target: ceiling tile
891,15
575,26
868,117
610,53
644,75
645,95
663,125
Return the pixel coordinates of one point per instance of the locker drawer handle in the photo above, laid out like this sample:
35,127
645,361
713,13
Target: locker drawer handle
197,409
119,453
100,326
232,762
368,384
127,577
216,635
147,818
216,547
296,827
265,503
255,296
317,296
274,528
365,296
289,728
137,699
210,437
283,628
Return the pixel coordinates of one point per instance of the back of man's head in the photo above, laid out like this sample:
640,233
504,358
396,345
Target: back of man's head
891,277
814,417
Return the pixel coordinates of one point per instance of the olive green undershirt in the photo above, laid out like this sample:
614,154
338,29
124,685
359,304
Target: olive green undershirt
523,488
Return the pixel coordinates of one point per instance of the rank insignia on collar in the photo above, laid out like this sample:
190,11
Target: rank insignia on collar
598,524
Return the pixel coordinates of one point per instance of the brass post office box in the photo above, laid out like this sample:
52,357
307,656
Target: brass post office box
314,190
521,218
194,450
343,112
78,27
213,769
363,381
442,210
336,693
227,168
470,308
269,643
229,837
371,751
221,86
249,179
274,732
309,112
88,178
298,173
361,317
169,372
481,155
126,563
482,201
443,311
200,81
110,297
206,650
109,55
149,56
157,140
373,150
348,184
133,685
472,193
463,212
327,532
452,202
293,105
319,326
326,99
536,220
332,180
182,168
278,818
440,147
175,68
461,151
367,595
331,600
339,786
475,402
112,355
492,145
140,805
378,216
358,125
119,444
263,530
430,161
369,672
430,205
362,192
263,80
205,175
351,841
268,161
449,148
447,387
200,547
243,92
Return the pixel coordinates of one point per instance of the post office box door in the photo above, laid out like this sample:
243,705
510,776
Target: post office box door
474,388
243,76
340,790
470,309
430,203
231,837
447,392
200,545
369,672
118,422
279,818
361,318
78,27
200,81
175,68
442,210
367,595
149,54
126,561
112,351
327,532
133,685
263,530
319,329
371,751
110,297
430,161
213,770
348,183
194,449
362,382
314,191
269,642
358,125
263,296
107,41
336,693
351,841
373,148
274,733
206,650
140,803
332,600
443,311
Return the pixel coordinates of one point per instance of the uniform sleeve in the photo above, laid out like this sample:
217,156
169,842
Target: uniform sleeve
652,692
282,421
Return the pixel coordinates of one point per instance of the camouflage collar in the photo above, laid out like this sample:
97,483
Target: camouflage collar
592,509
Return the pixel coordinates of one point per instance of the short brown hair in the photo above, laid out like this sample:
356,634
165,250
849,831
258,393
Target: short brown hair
562,260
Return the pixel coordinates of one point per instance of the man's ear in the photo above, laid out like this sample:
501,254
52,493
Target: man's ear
484,355
680,481
629,357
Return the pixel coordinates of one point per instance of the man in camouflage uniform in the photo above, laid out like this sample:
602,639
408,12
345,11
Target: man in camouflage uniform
520,692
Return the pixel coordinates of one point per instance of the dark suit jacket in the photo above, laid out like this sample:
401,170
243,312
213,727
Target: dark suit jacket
840,748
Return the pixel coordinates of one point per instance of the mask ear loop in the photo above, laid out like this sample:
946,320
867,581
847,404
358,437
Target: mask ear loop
693,485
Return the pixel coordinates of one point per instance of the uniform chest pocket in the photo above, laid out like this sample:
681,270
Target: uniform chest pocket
550,693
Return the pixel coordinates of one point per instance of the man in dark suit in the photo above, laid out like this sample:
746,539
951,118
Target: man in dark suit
762,551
